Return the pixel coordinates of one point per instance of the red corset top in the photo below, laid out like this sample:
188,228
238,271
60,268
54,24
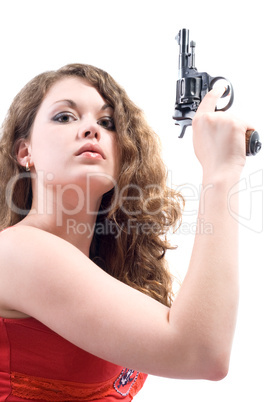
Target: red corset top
36,364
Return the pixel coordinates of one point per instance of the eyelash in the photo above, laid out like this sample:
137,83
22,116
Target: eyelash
106,122
62,115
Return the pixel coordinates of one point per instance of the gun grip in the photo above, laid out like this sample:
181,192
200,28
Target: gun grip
253,144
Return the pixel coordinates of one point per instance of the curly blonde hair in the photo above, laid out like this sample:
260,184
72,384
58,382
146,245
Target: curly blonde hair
147,209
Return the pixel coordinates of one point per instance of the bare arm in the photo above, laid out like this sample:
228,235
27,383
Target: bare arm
49,279
208,299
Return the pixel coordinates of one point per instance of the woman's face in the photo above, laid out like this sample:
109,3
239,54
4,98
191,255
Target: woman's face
73,139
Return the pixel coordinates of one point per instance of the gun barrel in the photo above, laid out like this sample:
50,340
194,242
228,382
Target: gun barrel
183,40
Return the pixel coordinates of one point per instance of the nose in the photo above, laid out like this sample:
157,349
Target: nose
89,129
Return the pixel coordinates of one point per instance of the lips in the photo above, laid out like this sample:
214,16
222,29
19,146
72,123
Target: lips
93,148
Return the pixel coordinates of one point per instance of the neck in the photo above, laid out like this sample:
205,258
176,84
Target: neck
67,219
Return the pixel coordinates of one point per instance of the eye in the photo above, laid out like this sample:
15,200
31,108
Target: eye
64,117
107,123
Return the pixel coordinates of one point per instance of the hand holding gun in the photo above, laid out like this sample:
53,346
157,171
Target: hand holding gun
192,86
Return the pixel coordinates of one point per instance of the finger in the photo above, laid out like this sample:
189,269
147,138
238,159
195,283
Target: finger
209,102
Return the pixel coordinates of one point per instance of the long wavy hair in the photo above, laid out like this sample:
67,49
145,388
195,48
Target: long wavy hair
130,239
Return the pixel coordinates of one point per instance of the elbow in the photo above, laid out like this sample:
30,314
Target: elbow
218,369
217,374
204,368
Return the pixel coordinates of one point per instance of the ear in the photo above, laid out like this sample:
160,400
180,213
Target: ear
24,152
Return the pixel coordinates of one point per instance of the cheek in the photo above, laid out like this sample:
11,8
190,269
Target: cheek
45,155
47,149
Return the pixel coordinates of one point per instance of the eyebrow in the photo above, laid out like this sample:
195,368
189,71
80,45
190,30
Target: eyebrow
72,104
106,106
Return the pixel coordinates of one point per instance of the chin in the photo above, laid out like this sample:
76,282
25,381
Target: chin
95,183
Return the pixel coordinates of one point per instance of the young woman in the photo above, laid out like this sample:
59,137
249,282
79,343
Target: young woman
85,294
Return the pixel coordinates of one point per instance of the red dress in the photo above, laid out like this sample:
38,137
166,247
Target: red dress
36,364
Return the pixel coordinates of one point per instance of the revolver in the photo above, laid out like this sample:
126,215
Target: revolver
191,88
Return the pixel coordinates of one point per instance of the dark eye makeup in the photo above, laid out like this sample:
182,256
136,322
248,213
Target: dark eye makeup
106,122
64,117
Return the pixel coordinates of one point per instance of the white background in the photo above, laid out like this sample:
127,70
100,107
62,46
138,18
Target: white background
134,41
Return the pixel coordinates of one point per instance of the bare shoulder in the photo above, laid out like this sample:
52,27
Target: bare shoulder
24,250
19,243
39,269
28,250
18,235
11,254
13,241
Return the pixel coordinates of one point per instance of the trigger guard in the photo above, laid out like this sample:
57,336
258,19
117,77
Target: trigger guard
229,90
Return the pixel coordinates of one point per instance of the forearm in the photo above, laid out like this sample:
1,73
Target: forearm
205,308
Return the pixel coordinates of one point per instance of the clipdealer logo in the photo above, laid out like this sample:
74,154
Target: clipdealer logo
250,191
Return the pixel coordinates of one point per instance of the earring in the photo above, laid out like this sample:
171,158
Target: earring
27,167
